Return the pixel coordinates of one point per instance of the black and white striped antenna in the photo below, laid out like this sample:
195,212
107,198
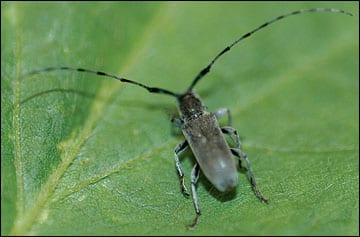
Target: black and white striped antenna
205,70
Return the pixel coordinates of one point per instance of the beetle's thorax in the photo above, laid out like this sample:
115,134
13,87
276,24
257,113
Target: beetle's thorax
190,106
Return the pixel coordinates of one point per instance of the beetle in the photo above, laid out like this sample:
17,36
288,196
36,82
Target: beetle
201,129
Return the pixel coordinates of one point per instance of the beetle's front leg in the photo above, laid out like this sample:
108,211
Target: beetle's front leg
177,122
222,112
181,147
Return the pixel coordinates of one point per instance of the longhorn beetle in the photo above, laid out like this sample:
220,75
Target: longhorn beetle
201,129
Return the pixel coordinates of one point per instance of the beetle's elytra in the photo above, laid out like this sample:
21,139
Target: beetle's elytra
201,129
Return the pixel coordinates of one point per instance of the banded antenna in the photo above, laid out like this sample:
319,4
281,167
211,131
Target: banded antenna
204,71
150,89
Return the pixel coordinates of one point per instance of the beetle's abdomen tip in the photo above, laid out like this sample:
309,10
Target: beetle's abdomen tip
227,184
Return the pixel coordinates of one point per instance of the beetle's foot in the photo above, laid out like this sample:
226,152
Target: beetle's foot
194,224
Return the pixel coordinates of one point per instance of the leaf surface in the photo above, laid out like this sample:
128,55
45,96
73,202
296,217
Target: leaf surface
85,155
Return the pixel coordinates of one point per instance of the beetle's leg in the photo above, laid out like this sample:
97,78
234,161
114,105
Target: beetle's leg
232,132
194,178
182,146
177,122
237,152
222,112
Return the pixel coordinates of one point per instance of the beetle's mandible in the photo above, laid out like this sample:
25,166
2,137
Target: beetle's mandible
201,129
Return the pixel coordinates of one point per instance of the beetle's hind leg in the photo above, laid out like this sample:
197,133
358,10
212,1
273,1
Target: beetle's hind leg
194,178
237,152
243,157
181,147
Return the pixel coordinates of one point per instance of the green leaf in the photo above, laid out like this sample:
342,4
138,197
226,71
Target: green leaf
85,155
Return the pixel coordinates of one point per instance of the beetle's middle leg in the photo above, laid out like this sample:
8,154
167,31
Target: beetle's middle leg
181,147
232,132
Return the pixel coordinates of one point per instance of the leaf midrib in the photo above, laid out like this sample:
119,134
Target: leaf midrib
25,220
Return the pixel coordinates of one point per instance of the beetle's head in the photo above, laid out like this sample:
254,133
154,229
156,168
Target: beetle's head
190,105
